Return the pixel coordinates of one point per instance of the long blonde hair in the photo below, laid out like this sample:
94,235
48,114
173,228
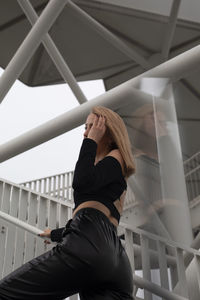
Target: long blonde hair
119,135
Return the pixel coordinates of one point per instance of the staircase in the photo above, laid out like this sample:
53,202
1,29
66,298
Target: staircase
20,243
28,208
60,186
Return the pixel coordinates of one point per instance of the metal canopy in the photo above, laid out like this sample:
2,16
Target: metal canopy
149,37
88,54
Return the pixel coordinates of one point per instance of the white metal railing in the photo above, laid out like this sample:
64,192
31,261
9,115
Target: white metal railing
16,227
145,259
21,224
59,185
24,214
36,210
192,176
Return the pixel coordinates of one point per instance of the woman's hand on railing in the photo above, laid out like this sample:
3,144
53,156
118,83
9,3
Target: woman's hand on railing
47,234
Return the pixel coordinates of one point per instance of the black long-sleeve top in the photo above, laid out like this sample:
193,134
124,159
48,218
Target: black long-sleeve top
103,182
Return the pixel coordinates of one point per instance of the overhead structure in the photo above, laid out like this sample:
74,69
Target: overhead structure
139,55
108,40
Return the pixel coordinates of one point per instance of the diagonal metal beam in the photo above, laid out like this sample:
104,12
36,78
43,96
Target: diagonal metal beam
29,45
20,18
188,120
170,29
189,86
184,46
109,36
63,123
54,53
173,69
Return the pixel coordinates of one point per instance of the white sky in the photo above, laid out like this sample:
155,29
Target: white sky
25,108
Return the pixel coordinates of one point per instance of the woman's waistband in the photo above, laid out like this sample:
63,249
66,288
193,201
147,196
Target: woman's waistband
95,212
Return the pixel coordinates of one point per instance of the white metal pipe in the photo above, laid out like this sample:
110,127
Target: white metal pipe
20,223
171,260
154,237
192,171
156,289
176,216
194,156
67,121
173,69
54,53
29,45
109,36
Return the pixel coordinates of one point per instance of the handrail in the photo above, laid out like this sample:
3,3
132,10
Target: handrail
171,261
69,203
46,177
191,158
188,257
36,231
32,229
56,185
156,238
156,289
148,242
192,171
140,282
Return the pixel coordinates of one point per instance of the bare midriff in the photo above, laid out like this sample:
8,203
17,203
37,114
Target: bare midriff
99,206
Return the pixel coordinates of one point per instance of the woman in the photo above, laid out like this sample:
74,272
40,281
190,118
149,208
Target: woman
89,258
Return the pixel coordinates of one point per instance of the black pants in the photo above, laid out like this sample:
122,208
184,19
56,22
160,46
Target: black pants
90,261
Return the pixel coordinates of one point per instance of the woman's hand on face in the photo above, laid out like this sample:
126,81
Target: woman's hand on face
98,129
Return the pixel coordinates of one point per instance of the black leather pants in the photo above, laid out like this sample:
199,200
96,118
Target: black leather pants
90,261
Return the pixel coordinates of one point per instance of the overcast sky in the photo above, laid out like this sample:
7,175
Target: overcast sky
25,108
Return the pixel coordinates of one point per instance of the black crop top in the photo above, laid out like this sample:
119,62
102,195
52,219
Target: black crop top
103,182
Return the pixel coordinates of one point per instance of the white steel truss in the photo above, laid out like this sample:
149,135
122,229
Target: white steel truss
173,70
29,45
54,53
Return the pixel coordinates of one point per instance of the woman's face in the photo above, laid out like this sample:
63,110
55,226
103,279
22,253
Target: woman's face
88,124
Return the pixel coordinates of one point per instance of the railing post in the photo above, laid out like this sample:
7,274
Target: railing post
146,268
41,223
23,208
32,215
129,248
182,281
163,265
197,263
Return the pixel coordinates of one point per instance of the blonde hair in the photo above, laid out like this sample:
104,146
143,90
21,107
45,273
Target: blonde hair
119,135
